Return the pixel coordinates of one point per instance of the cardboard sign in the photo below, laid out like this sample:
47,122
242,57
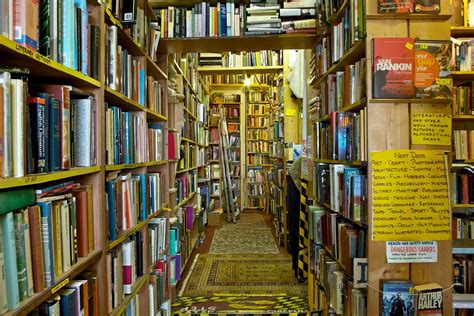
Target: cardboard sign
430,129
410,196
412,251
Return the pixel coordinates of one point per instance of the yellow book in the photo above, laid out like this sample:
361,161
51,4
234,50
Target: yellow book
56,222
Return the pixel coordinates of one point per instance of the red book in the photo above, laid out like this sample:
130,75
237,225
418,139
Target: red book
34,218
81,220
171,146
465,188
394,68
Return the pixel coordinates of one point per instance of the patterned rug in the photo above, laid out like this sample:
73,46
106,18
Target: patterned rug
251,274
241,304
249,235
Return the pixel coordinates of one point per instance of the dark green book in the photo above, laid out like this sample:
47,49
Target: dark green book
45,29
19,230
15,199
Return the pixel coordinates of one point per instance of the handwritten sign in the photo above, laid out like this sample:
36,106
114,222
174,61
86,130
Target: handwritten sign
410,196
430,129
412,251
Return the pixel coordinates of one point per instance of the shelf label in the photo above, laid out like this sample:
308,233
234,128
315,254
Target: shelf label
410,196
430,129
412,251
290,112
59,286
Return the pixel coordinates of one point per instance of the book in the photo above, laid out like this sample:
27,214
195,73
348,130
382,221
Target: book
15,199
394,71
34,216
433,69
3,280
396,297
9,253
429,299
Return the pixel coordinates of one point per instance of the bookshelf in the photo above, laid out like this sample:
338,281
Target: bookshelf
381,124
462,247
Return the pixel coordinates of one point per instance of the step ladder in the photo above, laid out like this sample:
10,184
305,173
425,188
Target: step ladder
229,182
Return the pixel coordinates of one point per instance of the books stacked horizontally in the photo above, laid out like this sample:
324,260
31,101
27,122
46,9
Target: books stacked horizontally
210,59
298,17
262,19
44,233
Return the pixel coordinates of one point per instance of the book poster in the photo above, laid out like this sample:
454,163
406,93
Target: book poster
431,129
410,196
412,251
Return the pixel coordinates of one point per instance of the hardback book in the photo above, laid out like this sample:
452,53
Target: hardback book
81,292
34,217
69,301
399,6
20,255
3,280
396,297
394,68
37,120
28,251
15,199
299,25
82,131
433,69
47,242
429,299
128,266
9,254
18,104
5,140
427,6
25,23
297,13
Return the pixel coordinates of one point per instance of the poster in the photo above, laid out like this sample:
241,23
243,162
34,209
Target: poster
430,129
412,251
410,196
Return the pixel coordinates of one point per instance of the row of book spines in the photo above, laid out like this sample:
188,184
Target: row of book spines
462,100
463,274
131,198
185,185
463,185
70,40
343,138
154,95
44,137
463,144
157,231
126,136
43,241
125,73
258,159
344,189
124,265
79,297
344,88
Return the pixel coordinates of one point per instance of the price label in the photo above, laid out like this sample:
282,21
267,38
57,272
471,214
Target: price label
59,286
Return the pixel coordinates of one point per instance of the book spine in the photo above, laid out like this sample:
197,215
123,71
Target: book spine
65,129
47,237
127,267
3,279
11,271
28,252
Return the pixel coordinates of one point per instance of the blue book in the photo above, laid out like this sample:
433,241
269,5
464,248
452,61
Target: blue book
223,20
110,190
68,35
47,242
9,253
127,137
346,197
143,211
47,109
82,6
68,302
54,135
142,86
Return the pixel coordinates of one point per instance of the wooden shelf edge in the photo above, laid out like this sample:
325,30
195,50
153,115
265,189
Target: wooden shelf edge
122,237
135,165
342,162
407,16
185,201
414,101
139,283
46,177
61,281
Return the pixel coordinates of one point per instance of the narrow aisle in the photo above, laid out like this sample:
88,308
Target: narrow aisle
240,270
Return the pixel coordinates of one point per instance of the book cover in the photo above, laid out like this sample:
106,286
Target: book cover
394,68
5,139
20,255
395,6
429,299
82,222
37,109
68,302
3,280
11,200
34,217
427,6
28,251
396,298
47,242
433,69
81,119
18,132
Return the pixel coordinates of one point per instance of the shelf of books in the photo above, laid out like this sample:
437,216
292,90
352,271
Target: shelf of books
277,174
67,157
258,108
361,119
462,167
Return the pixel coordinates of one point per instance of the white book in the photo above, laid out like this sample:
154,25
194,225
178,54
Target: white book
5,78
81,126
335,196
189,19
18,106
263,19
77,286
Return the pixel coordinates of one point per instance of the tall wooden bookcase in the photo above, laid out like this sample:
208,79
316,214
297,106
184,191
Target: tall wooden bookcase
388,127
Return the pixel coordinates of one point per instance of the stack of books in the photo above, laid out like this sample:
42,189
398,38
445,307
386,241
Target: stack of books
210,59
262,20
298,17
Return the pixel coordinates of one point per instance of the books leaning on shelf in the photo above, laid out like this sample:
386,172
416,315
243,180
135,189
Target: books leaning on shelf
64,32
125,72
45,137
343,189
185,185
463,187
155,95
158,287
124,265
344,137
242,59
42,240
463,144
157,230
155,144
131,198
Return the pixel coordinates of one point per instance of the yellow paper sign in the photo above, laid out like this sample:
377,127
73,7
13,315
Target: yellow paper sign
410,196
430,129
290,112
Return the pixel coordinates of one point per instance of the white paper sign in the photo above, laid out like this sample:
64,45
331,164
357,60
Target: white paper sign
412,251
